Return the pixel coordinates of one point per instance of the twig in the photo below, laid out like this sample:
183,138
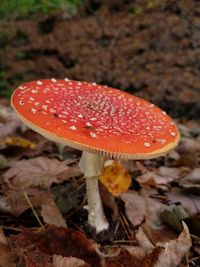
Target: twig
33,210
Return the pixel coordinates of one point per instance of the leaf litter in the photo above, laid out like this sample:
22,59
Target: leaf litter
142,234
37,172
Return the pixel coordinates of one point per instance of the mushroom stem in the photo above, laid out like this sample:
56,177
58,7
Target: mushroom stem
91,165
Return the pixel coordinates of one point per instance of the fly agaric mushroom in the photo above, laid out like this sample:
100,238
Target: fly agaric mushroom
101,121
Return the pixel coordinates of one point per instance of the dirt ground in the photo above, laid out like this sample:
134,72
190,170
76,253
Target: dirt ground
149,48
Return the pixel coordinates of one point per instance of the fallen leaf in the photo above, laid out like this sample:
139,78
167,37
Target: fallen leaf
142,239
190,202
51,214
189,160
187,146
115,177
153,179
184,129
6,258
38,247
3,239
41,144
134,207
173,155
191,181
137,252
139,206
108,200
197,249
19,141
133,256
173,172
38,172
158,232
59,261
130,165
34,259
9,128
15,202
160,176
173,251
6,114
9,122
141,167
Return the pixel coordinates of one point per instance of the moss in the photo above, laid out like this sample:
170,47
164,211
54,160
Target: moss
24,8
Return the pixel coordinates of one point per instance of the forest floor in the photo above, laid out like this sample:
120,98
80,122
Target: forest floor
149,48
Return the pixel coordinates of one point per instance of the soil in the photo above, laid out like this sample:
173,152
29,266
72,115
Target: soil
149,48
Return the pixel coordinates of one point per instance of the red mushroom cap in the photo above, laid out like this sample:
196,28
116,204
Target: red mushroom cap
95,118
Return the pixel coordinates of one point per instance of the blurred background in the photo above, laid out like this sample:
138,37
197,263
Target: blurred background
150,48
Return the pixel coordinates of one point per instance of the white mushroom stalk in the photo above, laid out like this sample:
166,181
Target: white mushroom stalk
91,165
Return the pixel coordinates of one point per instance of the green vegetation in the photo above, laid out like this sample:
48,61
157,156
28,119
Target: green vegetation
23,8
140,9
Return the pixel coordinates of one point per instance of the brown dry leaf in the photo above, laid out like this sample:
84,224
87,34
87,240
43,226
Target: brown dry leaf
173,172
184,129
8,122
153,179
173,155
188,151
51,214
38,247
34,259
5,252
9,128
191,181
6,256
158,233
161,176
15,202
59,261
190,202
187,146
133,256
38,172
6,114
3,239
141,167
143,240
137,252
41,144
173,251
138,205
115,177
130,165
109,201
